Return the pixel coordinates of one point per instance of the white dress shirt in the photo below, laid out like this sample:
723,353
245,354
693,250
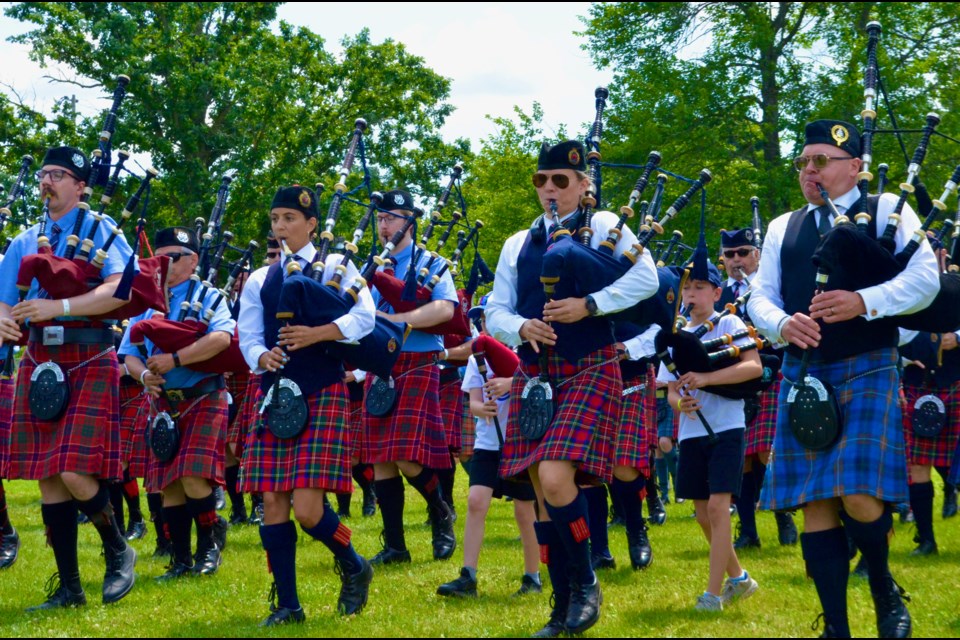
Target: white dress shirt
642,345
355,324
909,291
638,283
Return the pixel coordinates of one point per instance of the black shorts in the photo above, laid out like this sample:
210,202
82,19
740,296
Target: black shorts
705,469
485,472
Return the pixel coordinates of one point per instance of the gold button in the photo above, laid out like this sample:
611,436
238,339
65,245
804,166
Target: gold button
873,312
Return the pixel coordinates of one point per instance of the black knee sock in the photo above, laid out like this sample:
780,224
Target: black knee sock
5,527
280,543
447,478
131,494
554,555
616,501
759,475
390,496
363,475
427,483
100,512
631,497
652,492
945,476
343,503
921,501
598,511
116,501
747,505
155,505
573,527
204,514
179,522
231,475
825,554
60,520
871,538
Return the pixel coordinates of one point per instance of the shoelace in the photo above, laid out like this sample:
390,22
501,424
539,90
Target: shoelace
53,585
816,622
272,596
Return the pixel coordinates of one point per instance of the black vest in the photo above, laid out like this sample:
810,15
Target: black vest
311,368
926,348
575,340
798,282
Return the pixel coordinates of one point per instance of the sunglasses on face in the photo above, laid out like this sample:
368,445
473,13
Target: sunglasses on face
743,253
174,257
559,180
820,161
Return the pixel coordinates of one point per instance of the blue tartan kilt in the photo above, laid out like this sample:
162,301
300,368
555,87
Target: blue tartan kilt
870,456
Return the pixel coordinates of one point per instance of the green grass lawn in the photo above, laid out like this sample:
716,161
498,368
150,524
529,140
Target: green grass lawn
655,602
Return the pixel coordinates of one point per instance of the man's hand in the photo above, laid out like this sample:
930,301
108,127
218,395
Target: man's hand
297,337
37,310
801,330
152,383
9,330
160,364
273,360
565,311
538,332
837,306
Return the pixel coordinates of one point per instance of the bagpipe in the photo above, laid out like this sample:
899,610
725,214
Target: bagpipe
503,362
203,298
75,273
416,288
858,260
16,192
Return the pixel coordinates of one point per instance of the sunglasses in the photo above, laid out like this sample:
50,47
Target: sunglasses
820,161
559,180
174,257
743,253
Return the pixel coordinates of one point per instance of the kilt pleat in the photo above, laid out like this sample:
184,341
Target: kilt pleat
356,424
86,439
6,417
451,412
203,426
238,385
939,451
413,431
760,431
633,435
238,429
319,458
588,406
868,459
134,410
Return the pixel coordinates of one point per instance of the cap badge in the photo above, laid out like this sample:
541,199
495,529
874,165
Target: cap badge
392,345
77,160
399,199
574,157
671,296
183,236
305,199
749,235
839,134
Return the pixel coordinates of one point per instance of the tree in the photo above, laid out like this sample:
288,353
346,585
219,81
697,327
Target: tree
214,87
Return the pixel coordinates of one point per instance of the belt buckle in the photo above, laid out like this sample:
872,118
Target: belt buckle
176,395
52,336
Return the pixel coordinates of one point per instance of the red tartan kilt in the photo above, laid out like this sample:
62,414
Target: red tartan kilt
238,385
937,451
413,431
356,429
650,410
238,429
133,428
451,411
760,432
319,458
584,425
6,416
86,439
633,436
203,427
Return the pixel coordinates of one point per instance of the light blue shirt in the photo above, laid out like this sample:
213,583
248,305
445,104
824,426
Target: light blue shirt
25,244
419,341
181,377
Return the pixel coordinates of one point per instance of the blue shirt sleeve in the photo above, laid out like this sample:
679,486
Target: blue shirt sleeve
126,347
9,268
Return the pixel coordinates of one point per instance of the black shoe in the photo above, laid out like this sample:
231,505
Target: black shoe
59,596
949,501
390,556
119,577
369,503
462,587
903,510
528,585
164,549
238,514
82,518
745,541
136,530
208,562
9,549
638,545
786,529
926,548
584,609
221,498
176,570
616,520
603,561
658,515
256,515
861,570
282,615
828,630
558,615
893,619
354,588
444,540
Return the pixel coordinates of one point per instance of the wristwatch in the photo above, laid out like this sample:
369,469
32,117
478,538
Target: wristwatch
591,305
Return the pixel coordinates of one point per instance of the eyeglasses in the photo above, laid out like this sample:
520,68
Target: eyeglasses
559,180
743,253
820,160
56,175
174,257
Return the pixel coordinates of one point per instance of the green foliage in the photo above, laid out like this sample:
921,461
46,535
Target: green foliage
213,87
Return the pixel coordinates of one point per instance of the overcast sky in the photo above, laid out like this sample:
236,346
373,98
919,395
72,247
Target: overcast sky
497,55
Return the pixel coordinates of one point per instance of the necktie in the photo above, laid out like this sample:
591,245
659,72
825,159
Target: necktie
54,236
825,223
736,288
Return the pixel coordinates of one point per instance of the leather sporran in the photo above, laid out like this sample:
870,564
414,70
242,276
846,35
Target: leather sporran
164,437
814,414
287,414
929,416
536,409
381,397
49,392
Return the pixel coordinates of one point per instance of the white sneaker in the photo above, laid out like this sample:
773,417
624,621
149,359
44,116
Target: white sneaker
708,602
738,589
